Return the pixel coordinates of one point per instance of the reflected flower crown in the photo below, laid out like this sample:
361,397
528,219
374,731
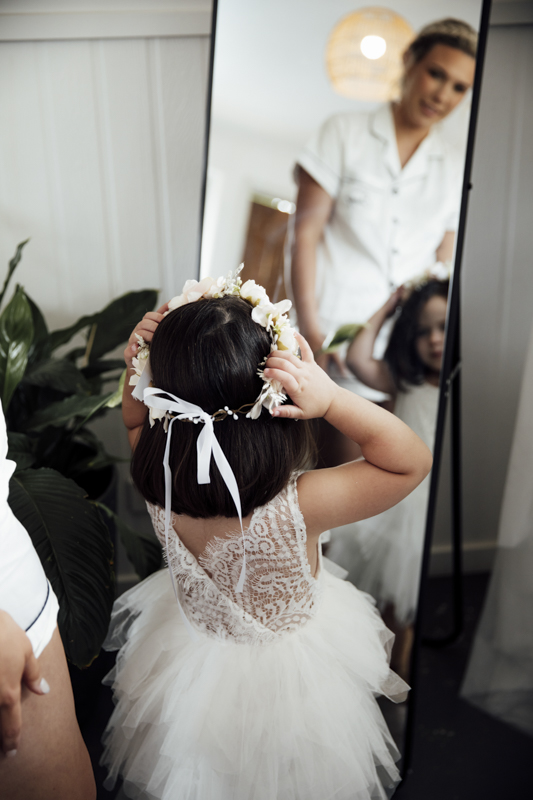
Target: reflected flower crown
271,316
441,271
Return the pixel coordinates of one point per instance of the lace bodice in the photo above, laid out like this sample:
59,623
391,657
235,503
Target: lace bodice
279,595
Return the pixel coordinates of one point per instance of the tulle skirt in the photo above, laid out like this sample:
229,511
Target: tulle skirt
214,720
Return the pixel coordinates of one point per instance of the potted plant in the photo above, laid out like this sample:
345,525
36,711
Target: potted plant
49,393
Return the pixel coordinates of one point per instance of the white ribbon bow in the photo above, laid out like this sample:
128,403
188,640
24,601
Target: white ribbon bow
207,445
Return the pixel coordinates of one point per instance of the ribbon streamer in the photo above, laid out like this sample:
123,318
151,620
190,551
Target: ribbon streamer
207,445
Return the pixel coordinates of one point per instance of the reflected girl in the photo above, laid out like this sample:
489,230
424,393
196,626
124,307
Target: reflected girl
379,194
383,554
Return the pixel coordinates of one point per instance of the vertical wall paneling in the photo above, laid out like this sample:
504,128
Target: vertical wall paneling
106,167
159,149
101,145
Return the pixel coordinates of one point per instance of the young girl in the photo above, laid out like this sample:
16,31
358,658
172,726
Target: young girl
384,555
257,679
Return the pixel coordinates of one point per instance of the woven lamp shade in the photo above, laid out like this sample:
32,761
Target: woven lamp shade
356,75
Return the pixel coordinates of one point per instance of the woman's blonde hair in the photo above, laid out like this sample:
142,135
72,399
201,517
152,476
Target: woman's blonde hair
450,32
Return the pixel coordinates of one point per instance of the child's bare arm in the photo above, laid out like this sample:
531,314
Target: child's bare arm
360,359
396,460
133,411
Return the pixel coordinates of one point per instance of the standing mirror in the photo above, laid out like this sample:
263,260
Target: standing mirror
335,172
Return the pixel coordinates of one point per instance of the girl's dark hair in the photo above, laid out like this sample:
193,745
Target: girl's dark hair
401,355
208,353
450,32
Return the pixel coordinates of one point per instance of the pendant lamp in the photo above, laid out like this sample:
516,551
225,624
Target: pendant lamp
364,54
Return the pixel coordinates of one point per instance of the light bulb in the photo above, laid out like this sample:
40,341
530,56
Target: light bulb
373,46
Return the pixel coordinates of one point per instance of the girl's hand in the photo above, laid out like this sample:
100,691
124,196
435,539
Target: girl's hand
394,301
145,328
308,386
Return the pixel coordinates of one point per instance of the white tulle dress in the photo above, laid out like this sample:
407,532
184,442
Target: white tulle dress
383,554
274,698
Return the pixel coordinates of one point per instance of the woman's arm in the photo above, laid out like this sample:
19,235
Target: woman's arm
444,251
133,411
51,760
313,210
360,357
396,460
18,666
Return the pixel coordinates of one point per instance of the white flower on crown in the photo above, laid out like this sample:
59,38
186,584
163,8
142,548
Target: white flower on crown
440,271
254,293
139,362
271,316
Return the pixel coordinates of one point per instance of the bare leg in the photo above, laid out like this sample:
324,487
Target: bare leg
403,643
52,762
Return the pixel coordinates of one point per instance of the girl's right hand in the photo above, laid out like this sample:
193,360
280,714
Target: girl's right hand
309,387
145,328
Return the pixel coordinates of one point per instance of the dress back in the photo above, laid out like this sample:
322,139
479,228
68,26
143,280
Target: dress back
279,594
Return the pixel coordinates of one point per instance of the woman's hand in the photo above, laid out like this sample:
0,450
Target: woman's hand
145,328
308,386
18,665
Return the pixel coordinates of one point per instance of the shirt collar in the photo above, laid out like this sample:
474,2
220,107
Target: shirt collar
382,127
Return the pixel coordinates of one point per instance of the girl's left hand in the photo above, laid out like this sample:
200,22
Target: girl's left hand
145,328
309,387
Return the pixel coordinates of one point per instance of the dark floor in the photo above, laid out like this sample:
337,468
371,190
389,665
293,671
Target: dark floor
459,752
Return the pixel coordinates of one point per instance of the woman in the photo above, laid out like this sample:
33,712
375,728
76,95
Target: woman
42,753
379,193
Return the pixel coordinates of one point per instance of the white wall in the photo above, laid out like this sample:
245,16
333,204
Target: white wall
102,118
101,145
498,277
241,164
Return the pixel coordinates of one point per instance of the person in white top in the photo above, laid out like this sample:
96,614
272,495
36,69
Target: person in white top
42,752
379,193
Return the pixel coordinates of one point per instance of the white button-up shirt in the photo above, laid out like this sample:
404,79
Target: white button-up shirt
387,222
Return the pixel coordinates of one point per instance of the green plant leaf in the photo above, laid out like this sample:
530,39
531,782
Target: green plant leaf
64,335
143,549
96,368
40,347
60,413
76,552
16,336
116,399
346,333
20,450
100,458
117,320
11,268
59,374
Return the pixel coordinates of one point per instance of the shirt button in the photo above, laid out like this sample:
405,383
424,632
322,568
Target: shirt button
395,190
394,251
395,220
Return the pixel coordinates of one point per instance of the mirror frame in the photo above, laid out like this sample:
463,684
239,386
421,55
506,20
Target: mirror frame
449,382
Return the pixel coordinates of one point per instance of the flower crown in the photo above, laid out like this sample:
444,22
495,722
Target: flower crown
440,271
271,316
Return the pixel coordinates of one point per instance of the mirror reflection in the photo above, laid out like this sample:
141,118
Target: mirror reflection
336,176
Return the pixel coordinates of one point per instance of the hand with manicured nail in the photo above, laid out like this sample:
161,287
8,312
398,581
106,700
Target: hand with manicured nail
18,666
